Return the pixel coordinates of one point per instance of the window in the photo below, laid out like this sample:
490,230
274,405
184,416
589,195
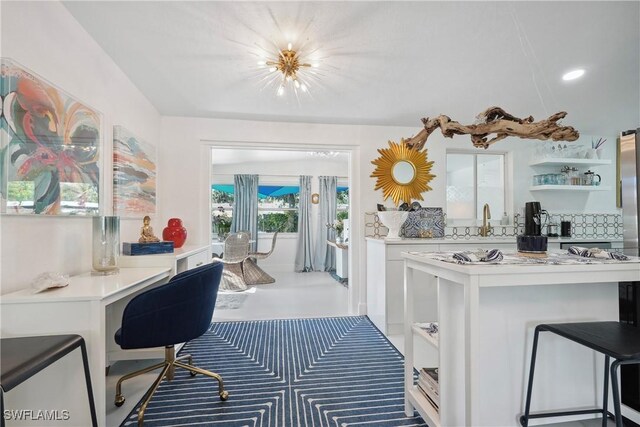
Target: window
277,207
342,199
474,179
75,198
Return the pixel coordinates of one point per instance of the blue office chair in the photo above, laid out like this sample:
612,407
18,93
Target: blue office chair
167,315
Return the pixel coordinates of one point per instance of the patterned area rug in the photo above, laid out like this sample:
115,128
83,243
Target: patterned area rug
302,372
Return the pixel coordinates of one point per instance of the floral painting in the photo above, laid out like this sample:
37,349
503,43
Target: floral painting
134,174
49,147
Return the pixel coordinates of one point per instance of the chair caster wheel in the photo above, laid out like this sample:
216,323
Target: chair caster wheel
119,401
224,395
522,420
192,373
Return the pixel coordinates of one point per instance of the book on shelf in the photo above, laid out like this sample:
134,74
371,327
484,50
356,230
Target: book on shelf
433,391
434,402
430,373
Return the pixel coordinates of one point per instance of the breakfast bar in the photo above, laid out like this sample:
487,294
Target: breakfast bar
486,316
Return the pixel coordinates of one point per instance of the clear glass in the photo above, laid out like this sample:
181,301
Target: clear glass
106,244
490,175
472,181
460,186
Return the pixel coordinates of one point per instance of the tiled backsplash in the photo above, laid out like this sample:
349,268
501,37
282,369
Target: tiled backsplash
583,226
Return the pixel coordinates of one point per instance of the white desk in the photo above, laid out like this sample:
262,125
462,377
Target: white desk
182,259
487,315
84,307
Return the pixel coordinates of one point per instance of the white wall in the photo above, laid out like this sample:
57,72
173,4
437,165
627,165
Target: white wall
58,48
184,160
519,175
186,143
284,254
46,39
565,201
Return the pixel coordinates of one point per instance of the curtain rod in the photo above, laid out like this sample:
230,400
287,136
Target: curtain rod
274,176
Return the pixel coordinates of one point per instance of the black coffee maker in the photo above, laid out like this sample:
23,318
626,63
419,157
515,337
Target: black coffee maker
532,219
532,241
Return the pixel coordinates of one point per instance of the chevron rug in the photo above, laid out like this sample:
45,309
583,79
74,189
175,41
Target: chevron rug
302,372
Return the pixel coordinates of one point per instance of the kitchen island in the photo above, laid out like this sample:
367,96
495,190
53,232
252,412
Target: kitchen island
486,316
385,269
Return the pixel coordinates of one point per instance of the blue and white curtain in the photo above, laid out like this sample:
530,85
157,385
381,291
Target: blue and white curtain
245,207
325,255
304,255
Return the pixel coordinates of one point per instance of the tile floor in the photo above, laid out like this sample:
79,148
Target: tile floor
293,295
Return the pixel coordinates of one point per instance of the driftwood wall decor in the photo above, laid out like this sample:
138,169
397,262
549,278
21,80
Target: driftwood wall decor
496,121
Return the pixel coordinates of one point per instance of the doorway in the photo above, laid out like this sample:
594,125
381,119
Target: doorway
318,293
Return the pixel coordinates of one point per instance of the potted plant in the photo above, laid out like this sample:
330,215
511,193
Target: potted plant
337,225
221,223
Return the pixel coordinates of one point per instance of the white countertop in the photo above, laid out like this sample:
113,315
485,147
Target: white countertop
477,239
85,287
491,275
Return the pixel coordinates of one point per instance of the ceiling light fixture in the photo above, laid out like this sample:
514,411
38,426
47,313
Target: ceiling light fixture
573,74
291,64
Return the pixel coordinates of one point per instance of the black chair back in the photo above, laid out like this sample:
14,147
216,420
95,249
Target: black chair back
173,313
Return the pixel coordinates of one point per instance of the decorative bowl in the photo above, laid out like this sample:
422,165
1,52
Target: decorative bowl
393,220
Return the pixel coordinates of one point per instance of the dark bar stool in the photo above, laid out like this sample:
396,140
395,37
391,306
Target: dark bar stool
22,358
613,339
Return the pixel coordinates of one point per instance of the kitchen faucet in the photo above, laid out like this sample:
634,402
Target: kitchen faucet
485,230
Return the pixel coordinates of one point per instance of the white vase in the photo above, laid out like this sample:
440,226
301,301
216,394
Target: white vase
393,220
599,153
591,154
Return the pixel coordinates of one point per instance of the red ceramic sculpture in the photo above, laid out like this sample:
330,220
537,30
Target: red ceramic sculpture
175,232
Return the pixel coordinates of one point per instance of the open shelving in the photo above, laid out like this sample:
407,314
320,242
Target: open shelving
431,339
569,161
570,188
426,410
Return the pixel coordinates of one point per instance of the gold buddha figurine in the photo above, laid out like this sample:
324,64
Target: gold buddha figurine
146,233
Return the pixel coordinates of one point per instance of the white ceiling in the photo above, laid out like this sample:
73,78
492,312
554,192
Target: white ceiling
384,63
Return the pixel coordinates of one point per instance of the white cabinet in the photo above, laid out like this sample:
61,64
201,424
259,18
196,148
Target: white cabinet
385,276
196,260
183,259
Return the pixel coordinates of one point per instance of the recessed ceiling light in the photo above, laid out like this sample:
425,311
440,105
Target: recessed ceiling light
573,74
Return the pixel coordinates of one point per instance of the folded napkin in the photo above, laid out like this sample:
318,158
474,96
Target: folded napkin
596,253
492,255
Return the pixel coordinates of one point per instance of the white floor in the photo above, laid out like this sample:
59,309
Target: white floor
293,295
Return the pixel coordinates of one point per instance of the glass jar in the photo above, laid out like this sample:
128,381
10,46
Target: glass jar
106,244
574,177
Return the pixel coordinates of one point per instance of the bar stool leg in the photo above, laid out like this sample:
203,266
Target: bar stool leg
605,397
87,377
524,420
616,392
1,407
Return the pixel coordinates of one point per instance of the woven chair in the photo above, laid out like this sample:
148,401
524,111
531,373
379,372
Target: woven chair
236,251
254,275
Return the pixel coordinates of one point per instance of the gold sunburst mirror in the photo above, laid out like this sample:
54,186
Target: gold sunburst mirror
402,172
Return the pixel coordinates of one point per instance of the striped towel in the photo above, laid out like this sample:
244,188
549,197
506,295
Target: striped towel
596,253
492,255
